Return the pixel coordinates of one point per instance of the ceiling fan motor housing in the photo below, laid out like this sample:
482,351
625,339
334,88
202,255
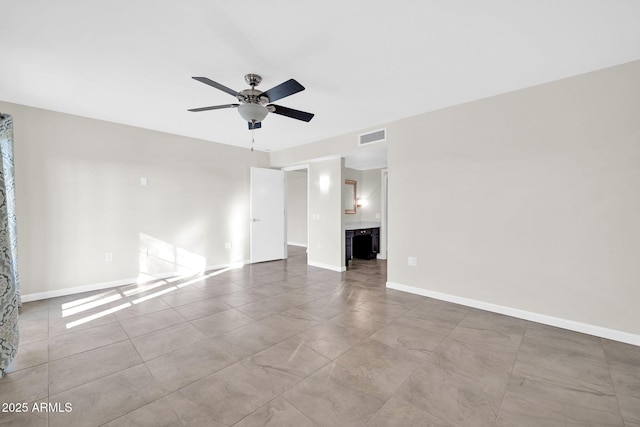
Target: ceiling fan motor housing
252,79
252,96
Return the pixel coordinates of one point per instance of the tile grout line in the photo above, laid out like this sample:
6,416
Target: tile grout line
515,360
613,386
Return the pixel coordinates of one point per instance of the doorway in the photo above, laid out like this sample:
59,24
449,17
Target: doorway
297,207
297,212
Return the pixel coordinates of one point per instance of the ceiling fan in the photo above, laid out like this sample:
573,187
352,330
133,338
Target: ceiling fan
255,104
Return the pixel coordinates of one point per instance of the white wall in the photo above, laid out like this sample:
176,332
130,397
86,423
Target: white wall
326,225
297,207
528,200
79,197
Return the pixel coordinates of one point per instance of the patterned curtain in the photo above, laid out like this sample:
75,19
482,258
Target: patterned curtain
9,293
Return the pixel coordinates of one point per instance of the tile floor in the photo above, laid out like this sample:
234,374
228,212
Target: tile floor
284,344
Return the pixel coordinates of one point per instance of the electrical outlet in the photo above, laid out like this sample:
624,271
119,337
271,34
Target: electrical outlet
377,215
227,245
144,181
413,261
108,257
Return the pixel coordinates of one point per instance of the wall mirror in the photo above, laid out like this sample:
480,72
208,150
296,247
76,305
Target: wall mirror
349,196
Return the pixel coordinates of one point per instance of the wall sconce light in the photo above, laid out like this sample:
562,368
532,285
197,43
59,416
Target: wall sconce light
325,183
361,203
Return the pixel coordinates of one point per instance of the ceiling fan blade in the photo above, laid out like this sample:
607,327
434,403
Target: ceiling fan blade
256,125
283,89
216,85
290,112
214,107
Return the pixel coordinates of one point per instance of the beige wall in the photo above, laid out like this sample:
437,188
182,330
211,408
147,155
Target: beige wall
528,200
369,188
79,197
297,207
326,235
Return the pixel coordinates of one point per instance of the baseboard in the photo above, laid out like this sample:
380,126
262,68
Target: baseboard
300,245
571,325
112,284
327,266
76,290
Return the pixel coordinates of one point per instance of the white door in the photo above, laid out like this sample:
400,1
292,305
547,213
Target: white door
268,239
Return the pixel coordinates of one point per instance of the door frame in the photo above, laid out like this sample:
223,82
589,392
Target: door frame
384,215
304,166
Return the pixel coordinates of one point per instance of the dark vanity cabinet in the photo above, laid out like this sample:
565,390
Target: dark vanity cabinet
362,243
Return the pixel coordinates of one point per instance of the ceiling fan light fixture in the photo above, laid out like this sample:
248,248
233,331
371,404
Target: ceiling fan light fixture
253,112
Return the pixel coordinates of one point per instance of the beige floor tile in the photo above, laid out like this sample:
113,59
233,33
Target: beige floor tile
292,321
238,390
80,321
250,339
563,340
27,416
330,340
399,412
439,313
107,398
202,308
166,340
30,354
185,296
330,403
624,364
451,397
630,408
371,367
82,368
222,322
33,329
188,364
553,363
192,414
291,357
277,413
151,322
325,307
239,298
26,385
80,341
488,368
490,331
265,308
544,400
361,319
410,336
134,310
156,414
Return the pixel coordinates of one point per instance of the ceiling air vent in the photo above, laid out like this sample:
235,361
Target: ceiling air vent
372,137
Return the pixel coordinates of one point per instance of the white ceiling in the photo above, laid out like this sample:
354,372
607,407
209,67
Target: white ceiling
363,63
